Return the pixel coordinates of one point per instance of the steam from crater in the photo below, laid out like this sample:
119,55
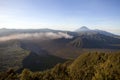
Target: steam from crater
40,36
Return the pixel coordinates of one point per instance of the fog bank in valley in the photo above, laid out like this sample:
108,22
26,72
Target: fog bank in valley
41,36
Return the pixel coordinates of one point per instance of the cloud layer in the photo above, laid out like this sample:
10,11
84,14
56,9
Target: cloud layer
41,36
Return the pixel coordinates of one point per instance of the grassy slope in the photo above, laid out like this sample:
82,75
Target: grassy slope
96,66
11,56
88,66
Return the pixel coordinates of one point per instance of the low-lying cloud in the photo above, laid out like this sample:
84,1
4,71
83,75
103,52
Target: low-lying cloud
41,36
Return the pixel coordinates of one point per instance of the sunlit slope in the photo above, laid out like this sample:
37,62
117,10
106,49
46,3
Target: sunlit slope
88,66
95,66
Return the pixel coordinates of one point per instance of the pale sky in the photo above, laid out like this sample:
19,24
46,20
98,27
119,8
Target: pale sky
61,14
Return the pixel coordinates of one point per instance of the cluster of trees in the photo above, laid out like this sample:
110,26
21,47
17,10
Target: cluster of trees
88,66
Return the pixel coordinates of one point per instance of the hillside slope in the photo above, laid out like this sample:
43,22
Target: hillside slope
12,55
88,66
96,41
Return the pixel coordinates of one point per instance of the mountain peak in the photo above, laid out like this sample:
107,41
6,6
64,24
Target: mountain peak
83,28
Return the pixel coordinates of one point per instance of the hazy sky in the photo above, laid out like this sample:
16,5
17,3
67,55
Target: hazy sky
61,14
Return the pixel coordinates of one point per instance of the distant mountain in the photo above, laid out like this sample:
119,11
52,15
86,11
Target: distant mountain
96,41
6,32
104,32
44,54
85,30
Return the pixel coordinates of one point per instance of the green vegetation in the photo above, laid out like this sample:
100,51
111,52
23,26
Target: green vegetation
11,55
88,66
96,66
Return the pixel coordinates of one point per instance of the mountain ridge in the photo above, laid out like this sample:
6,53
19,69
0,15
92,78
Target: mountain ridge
84,30
36,50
